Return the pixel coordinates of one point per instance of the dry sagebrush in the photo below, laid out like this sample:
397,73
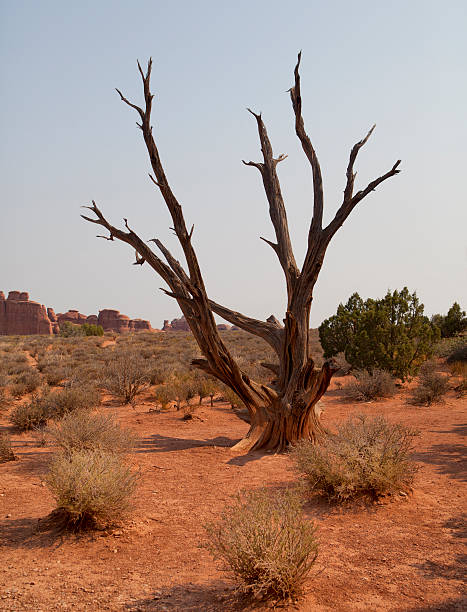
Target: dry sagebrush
432,385
91,487
267,544
367,387
83,430
6,452
367,457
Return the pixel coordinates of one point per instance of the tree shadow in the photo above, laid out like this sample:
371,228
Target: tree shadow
459,429
215,597
157,443
459,526
242,460
453,605
45,532
455,570
29,533
451,459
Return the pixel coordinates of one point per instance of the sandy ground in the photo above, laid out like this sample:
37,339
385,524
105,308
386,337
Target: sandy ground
404,554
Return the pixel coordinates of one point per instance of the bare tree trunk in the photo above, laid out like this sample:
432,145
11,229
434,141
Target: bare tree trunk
284,411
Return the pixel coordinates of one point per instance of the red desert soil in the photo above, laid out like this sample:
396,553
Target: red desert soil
406,553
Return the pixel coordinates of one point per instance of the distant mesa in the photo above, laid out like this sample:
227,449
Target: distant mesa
20,316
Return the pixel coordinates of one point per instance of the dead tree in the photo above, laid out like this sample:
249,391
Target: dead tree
283,412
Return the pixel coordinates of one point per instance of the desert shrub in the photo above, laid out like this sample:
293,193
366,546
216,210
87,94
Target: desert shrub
3,397
164,395
71,330
30,378
90,487
126,375
55,376
4,379
432,385
207,387
231,397
71,399
390,334
266,543
30,415
343,365
53,405
16,364
458,352
90,329
6,453
366,457
81,430
18,390
367,387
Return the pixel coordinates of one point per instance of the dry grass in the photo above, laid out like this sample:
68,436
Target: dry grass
267,544
365,458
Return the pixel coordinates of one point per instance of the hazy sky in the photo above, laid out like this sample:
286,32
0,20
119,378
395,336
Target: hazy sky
67,139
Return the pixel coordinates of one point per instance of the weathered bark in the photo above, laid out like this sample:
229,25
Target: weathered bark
284,411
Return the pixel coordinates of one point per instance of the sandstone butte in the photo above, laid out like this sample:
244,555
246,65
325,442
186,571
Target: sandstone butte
21,316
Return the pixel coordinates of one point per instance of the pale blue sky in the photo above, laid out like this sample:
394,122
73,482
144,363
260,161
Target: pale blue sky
67,139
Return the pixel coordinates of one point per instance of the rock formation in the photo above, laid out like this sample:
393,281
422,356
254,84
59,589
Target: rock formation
19,316
140,325
53,320
182,325
176,325
72,316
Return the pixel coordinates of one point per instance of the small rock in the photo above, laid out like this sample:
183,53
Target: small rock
8,516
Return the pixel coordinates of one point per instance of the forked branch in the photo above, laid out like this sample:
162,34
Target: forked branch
277,211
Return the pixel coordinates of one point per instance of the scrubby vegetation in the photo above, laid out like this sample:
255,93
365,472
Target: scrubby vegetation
91,487
53,405
390,334
370,386
432,385
265,541
366,457
85,431
6,452
126,374
68,329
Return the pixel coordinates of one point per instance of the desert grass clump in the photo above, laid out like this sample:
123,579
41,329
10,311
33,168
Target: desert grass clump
91,487
367,457
6,453
265,541
368,387
432,385
83,430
